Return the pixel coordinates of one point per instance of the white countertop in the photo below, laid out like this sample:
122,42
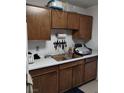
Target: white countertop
42,63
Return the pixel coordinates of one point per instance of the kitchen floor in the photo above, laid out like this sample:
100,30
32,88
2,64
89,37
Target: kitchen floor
91,87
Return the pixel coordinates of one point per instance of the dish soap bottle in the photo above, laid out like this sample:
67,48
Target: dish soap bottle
70,52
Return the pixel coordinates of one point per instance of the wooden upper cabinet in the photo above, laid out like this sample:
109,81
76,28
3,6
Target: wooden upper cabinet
85,30
59,19
73,21
86,27
38,23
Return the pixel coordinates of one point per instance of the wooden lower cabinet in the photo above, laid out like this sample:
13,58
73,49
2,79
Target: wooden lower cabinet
78,75
91,69
37,84
58,79
45,81
65,80
71,75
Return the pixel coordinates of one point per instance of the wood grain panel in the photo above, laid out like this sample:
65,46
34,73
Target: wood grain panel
73,21
90,71
46,83
38,23
59,19
78,74
65,80
85,30
42,71
85,27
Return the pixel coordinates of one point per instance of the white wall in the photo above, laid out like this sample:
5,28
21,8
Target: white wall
37,2
93,11
68,7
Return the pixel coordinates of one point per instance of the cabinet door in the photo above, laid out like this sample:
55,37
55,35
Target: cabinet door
90,70
38,23
78,74
85,27
73,21
85,30
36,84
65,80
59,19
47,83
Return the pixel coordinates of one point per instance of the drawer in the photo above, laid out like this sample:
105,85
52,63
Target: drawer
42,71
71,64
91,59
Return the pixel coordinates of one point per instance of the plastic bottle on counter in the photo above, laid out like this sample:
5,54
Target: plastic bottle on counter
70,51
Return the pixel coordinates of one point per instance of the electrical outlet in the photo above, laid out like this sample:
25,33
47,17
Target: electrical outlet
37,48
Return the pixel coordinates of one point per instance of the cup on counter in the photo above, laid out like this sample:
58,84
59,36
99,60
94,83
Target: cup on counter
30,59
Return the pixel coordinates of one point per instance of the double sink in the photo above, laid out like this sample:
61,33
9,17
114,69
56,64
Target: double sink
62,57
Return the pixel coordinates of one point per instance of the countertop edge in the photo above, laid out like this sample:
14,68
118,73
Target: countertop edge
63,62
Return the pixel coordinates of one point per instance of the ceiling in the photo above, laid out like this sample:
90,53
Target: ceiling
82,3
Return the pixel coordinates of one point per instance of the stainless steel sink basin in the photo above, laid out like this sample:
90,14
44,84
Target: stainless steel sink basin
63,57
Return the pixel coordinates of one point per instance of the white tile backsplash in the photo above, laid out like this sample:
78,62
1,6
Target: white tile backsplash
47,47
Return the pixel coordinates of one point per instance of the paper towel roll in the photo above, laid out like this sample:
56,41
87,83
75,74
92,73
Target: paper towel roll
61,36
